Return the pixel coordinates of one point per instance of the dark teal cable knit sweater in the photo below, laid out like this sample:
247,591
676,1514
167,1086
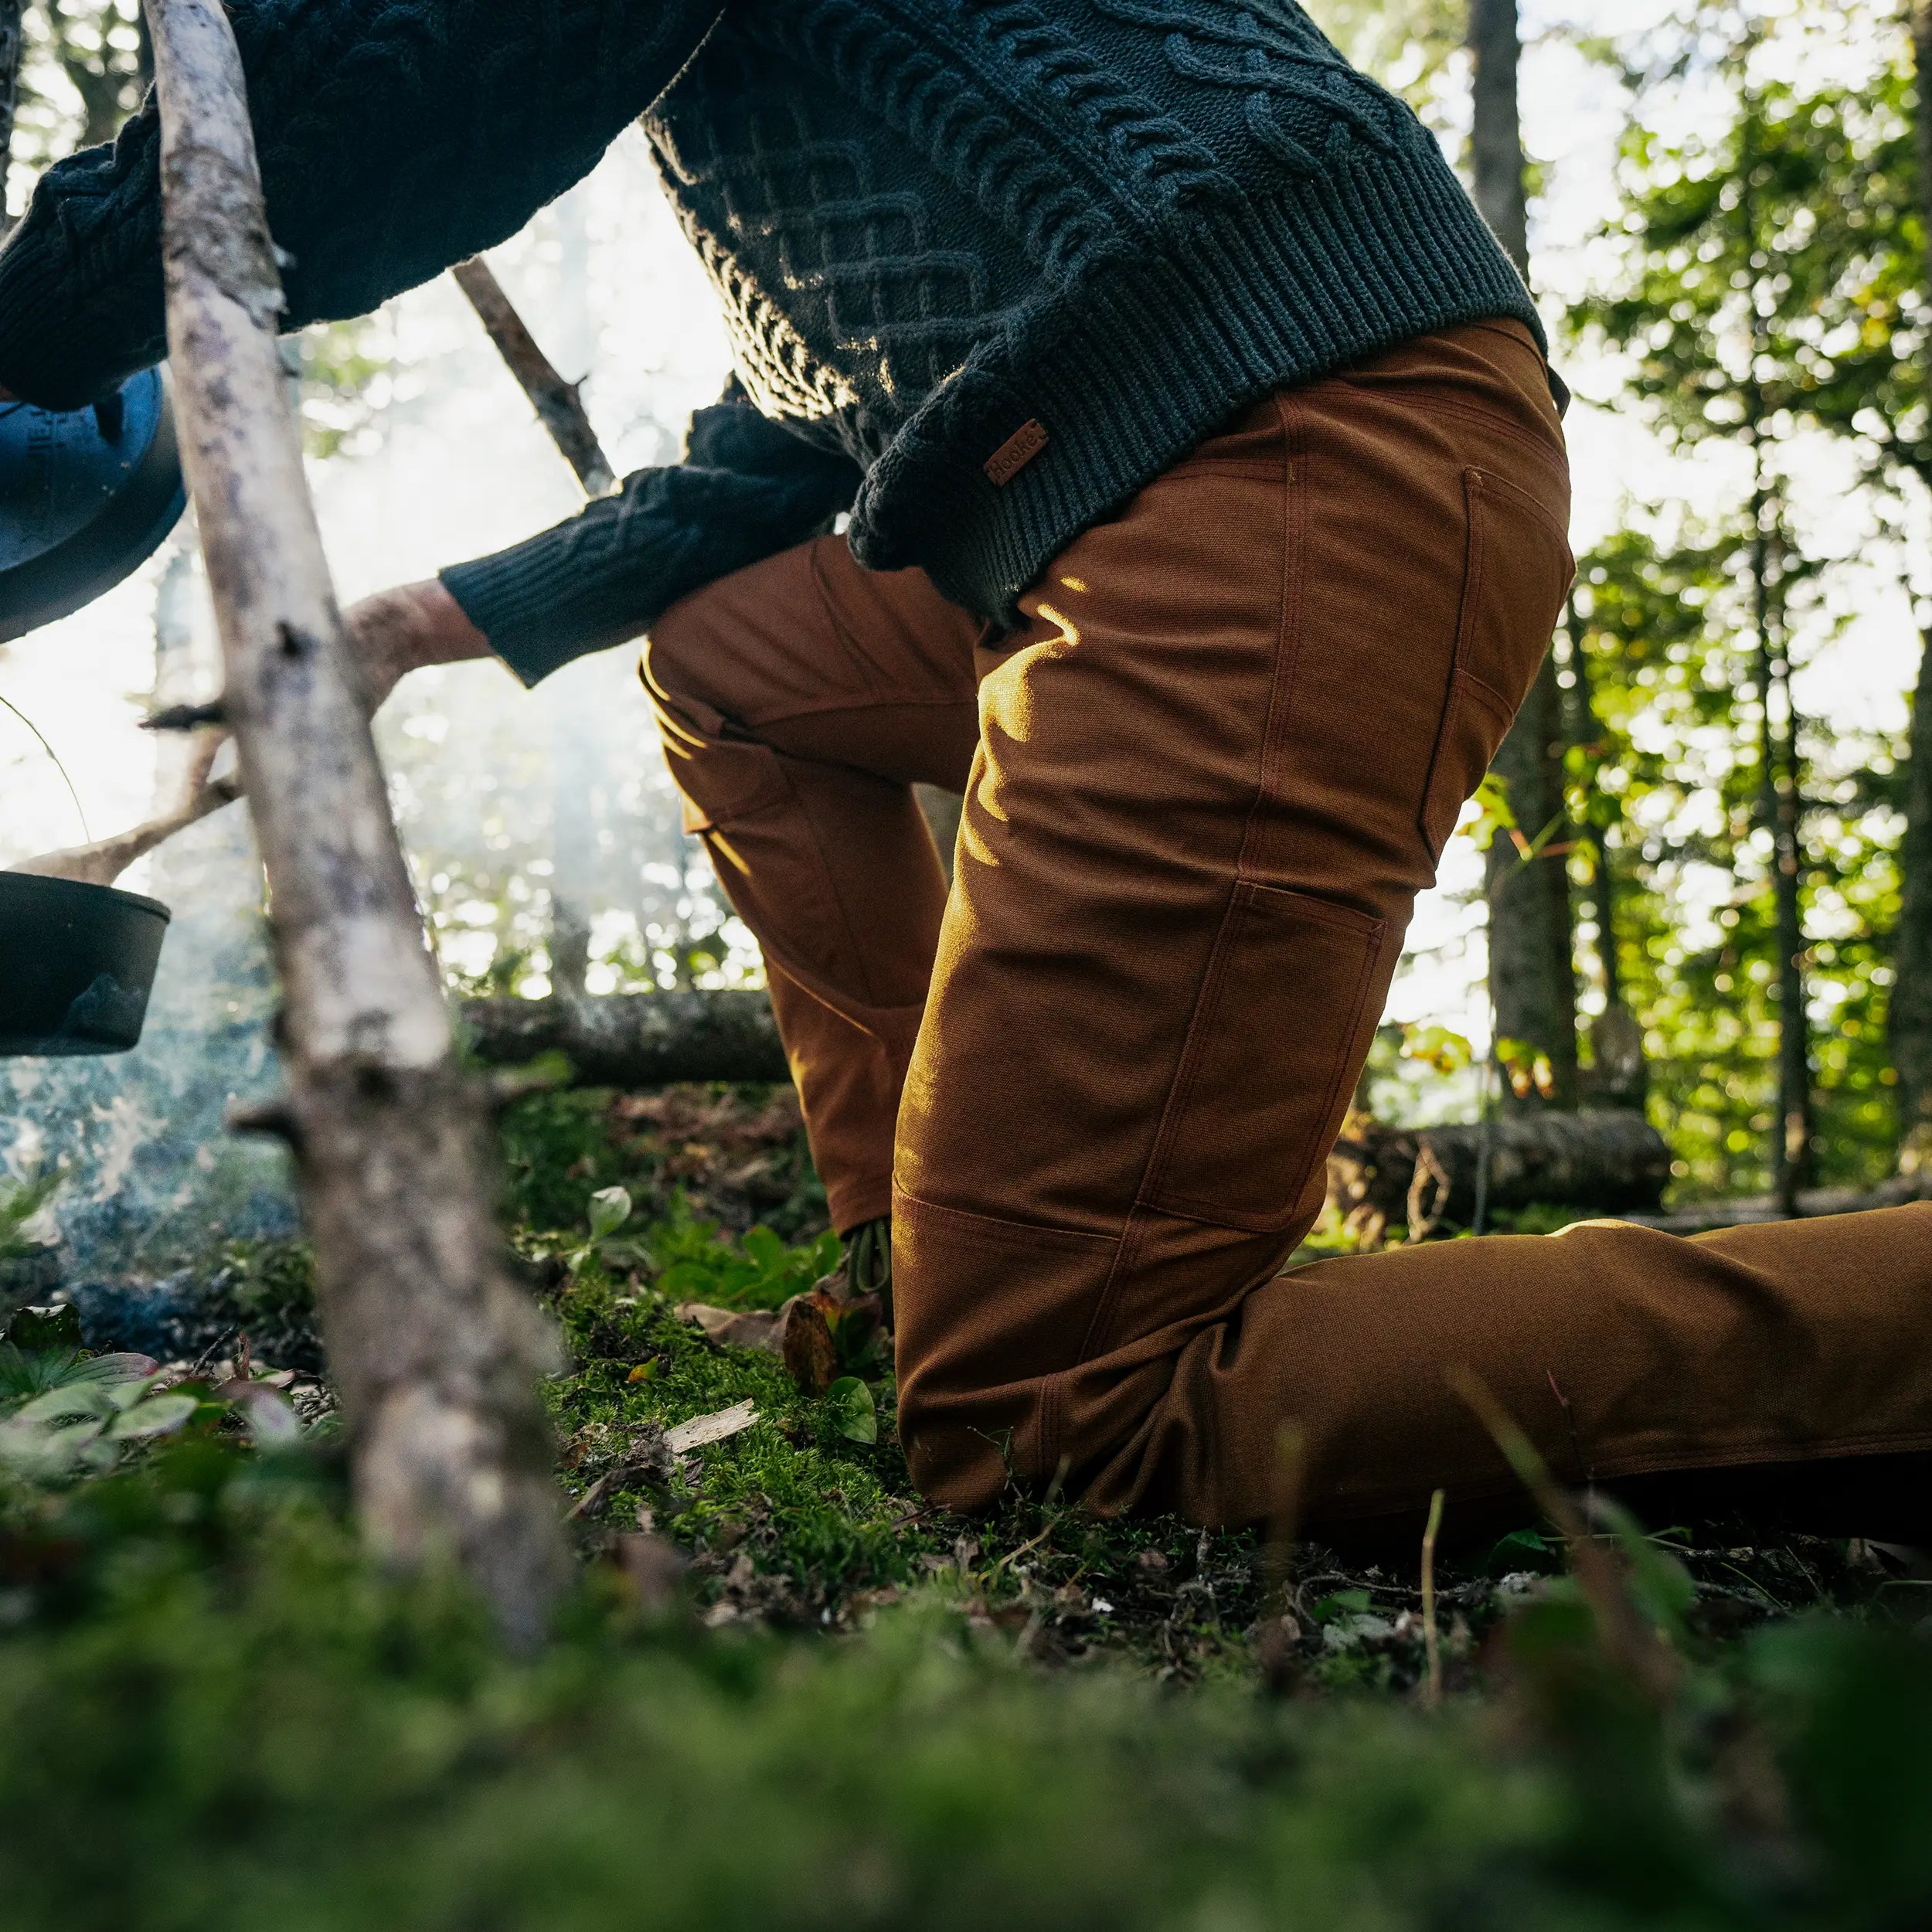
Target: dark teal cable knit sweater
989,267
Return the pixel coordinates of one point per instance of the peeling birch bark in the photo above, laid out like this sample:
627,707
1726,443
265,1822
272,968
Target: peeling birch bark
433,1349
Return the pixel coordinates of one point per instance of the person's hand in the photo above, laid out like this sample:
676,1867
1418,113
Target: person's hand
397,632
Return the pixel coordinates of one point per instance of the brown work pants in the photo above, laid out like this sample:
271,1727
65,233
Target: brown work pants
1095,1086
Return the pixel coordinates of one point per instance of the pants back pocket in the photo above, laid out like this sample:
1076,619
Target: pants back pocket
1518,572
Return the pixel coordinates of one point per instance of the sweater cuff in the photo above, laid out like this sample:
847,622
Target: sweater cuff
529,601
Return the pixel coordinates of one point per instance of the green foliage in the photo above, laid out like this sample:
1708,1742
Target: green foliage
759,1272
349,380
851,1406
211,1709
1768,266
20,1201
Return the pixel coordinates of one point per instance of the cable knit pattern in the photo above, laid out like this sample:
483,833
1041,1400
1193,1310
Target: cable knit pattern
930,223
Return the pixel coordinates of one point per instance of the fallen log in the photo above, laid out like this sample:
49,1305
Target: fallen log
1707,1216
634,1039
1425,1179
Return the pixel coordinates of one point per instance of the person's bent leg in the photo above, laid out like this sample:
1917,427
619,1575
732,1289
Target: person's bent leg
1623,1352
1215,772
800,700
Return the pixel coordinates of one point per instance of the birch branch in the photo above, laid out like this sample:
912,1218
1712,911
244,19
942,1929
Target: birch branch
434,1352
559,406
199,794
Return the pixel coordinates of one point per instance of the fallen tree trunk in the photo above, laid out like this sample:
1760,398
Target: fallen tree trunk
634,1039
1427,1178
1709,1215
435,1352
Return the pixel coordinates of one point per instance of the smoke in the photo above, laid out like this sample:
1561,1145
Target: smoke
543,832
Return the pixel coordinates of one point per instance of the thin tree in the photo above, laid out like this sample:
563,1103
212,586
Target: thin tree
1911,1012
1531,946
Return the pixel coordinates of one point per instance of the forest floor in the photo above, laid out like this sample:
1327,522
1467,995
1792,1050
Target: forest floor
787,1693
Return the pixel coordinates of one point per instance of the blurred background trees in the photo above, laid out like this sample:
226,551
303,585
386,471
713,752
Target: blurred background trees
1714,898
1704,885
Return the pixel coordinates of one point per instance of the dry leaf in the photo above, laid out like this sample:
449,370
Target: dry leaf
806,1345
734,1328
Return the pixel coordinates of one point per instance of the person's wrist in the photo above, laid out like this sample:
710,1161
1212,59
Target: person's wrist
408,628
444,632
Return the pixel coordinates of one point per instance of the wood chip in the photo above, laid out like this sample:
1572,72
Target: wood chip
701,1431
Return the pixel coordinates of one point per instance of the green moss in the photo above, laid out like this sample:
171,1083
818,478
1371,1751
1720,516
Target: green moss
864,1713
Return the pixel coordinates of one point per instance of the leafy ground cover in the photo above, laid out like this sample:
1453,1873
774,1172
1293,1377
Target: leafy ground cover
785,1694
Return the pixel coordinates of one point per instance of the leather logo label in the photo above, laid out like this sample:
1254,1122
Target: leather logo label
1016,452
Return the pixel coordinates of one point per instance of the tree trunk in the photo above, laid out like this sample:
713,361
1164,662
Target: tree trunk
433,1350
10,52
634,1039
1619,1075
1796,1149
1496,135
1533,980
1911,1023
1531,970
1425,1177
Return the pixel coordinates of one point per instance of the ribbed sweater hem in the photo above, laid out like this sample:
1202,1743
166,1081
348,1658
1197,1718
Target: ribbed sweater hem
1150,355
528,601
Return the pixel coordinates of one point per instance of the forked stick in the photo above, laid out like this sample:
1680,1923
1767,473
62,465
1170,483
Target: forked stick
104,862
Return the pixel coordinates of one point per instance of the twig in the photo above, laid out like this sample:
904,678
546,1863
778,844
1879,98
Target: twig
1431,1637
186,717
1284,1519
559,407
104,862
40,738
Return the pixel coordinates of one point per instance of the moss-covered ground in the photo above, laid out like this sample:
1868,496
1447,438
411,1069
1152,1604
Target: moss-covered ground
853,1711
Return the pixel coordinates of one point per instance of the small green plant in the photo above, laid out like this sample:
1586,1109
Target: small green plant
759,1271
20,1201
71,1413
851,1403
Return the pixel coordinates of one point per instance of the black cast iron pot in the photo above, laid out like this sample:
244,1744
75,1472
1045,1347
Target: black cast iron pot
77,965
